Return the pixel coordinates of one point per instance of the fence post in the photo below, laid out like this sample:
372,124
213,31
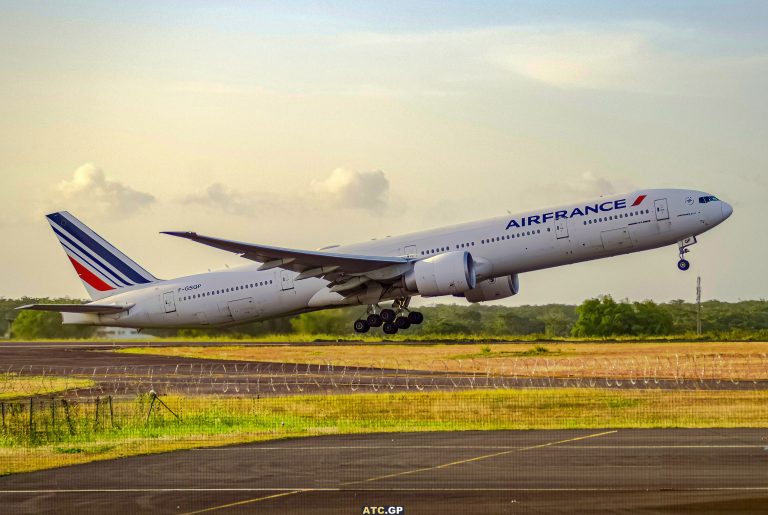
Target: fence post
31,412
151,404
111,414
97,401
3,409
53,414
66,414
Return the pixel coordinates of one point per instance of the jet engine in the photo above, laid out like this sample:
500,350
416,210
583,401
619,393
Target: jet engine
445,274
494,289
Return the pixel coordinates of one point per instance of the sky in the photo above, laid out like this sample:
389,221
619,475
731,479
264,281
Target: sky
305,124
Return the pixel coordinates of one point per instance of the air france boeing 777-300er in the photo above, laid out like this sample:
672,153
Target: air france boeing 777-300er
480,261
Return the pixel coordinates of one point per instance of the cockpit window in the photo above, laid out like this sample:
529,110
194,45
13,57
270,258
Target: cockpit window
704,200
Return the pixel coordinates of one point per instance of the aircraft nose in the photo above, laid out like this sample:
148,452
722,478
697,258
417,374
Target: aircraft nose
727,210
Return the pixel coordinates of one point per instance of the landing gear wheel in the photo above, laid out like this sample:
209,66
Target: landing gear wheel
361,326
389,328
374,320
683,265
402,323
415,317
388,315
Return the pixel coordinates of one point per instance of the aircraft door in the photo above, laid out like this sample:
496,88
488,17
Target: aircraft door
286,280
408,251
561,228
169,303
660,206
242,309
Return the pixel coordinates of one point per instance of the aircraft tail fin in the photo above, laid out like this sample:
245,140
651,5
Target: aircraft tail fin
102,268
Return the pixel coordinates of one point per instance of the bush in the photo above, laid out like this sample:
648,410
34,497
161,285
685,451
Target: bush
31,325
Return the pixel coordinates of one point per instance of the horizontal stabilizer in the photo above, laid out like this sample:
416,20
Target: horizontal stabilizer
99,309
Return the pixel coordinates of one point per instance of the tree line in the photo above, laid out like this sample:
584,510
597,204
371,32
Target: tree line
597,317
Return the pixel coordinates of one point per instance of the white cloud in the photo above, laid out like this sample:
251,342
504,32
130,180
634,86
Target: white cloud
647,58
366,191
590,185
571,189
220,197
91,193
356,190
570,58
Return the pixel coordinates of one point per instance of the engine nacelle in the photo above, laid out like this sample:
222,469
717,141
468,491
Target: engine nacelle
494,289
444,274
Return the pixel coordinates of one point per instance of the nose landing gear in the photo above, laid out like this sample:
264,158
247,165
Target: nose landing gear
682,245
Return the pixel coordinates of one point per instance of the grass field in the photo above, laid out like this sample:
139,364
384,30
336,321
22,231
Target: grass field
13,386
691,360
207,421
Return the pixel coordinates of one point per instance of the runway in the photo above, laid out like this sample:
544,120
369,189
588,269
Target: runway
625,470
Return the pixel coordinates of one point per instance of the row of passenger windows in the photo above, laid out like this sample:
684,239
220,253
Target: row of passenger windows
512,236
226,290
482,242
616,217
445,249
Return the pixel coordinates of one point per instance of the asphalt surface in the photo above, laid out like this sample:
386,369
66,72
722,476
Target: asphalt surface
594,471
129,374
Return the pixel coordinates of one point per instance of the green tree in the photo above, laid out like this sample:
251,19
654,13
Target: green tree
650,318
604,317
32,325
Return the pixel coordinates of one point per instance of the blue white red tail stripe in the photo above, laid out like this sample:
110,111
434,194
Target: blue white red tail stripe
127,269
103,269
84,256
67,242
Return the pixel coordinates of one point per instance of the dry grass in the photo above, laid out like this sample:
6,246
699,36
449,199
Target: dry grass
13,386
207,421
711,360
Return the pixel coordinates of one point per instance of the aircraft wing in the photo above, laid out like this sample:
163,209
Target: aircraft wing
100,309
308,263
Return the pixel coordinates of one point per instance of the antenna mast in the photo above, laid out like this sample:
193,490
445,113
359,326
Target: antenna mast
698,305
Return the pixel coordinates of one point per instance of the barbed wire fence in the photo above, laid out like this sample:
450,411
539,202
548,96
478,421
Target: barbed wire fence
674,372
53,404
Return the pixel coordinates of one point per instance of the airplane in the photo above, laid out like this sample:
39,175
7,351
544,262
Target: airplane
479,261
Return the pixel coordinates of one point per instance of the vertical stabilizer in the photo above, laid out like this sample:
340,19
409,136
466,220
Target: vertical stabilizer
103,269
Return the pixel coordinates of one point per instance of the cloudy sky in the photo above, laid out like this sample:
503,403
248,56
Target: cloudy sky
305,124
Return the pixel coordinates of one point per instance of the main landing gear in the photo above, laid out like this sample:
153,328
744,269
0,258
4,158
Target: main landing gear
682,245
390,320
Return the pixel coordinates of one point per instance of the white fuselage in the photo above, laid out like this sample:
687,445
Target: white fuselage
510,244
